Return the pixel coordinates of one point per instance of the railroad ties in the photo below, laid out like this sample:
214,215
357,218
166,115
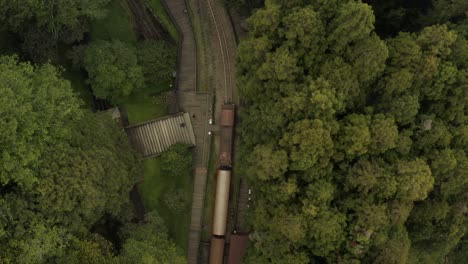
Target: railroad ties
156,136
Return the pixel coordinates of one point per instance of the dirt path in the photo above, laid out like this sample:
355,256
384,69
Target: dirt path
199,106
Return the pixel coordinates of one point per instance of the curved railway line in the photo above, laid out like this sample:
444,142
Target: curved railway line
228,96
146,23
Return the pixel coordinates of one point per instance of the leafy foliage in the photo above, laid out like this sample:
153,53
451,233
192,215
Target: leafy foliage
148,243
176,161
43,24
157,61
113,69
175,200
356,146
57,160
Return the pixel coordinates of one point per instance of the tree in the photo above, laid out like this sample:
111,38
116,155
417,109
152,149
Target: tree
267,164
415,179
113,70
148,243
177,161
354,22
56,163
90,250
327,232
157,60
35,103
396,249
42,24
384,134
354,135
309,143
356,140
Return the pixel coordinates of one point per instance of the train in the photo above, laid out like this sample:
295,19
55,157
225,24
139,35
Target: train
223,183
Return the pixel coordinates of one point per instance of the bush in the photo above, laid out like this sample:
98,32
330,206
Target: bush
175,200
177,161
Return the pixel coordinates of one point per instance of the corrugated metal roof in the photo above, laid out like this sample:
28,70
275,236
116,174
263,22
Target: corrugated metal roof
156,136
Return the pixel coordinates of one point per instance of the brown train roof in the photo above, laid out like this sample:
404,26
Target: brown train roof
227,115
216,250
237,248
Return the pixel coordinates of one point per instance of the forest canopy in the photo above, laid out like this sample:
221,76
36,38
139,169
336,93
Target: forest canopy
66,172
355,144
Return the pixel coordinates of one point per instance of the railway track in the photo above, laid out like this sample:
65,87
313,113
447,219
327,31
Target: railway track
222,40
146,23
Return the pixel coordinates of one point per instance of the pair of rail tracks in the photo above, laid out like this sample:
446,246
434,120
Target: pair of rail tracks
228,89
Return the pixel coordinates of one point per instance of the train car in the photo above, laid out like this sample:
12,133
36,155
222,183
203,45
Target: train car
237,247
217,250
227,131
223,181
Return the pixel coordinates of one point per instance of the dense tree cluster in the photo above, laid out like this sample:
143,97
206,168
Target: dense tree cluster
44,24
56,162
356,146
65,172
148,243
117,69
244,5
400,15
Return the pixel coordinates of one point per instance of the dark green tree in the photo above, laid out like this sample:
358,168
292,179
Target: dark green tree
43,24
113,70
157,60
56,163
357,141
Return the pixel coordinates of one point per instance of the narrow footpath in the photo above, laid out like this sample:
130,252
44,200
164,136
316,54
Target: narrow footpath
199,105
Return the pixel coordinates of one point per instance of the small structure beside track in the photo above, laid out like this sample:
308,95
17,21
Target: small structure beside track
156,136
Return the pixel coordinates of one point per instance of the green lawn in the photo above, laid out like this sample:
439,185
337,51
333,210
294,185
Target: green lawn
144,105
153,188
160,11
116,25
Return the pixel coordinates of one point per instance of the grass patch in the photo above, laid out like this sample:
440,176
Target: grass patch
153,188
116,25
145,104
161,12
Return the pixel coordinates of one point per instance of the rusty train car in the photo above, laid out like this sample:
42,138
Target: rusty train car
227,131
223,183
